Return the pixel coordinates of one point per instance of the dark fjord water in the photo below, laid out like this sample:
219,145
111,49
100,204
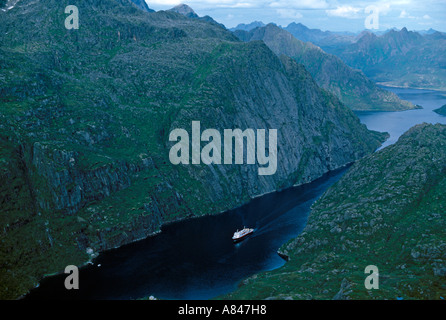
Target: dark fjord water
396,123
196,258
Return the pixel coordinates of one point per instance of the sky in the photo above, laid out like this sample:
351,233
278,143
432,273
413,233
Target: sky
333,15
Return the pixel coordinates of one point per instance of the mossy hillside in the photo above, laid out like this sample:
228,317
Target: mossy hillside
75,105
86,116
388,211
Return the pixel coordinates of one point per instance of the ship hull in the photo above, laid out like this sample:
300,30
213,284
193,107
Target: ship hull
242,237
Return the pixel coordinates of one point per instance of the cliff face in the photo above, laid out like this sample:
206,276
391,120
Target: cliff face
142,5
352,87
185,10
388,211
86,116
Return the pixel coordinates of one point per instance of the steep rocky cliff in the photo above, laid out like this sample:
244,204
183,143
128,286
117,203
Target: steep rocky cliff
142,5
86,116
388,210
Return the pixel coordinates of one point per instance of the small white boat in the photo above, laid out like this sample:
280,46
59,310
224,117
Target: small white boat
242,234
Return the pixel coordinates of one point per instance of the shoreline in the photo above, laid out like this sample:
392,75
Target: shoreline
385,84
180,220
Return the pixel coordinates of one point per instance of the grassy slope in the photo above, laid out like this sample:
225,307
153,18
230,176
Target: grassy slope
53,102
389,211
107,95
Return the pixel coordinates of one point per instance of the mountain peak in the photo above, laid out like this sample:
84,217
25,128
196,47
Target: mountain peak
403,35
185,10
366,36
272,25
298,25
141,4
249,26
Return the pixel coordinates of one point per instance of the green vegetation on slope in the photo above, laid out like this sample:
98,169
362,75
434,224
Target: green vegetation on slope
388,210
86,115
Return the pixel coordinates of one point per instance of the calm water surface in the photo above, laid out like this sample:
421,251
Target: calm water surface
196,258
396,123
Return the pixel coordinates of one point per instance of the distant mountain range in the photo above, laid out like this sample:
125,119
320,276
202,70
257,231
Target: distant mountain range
321,38
142,5
318,37
303,33
248,27
398,58
352,87
394,57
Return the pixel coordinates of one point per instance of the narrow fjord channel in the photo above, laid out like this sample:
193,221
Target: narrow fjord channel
196,258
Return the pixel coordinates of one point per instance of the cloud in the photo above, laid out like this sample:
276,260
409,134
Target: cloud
301,4
345,12
289,14
350,12
237,5
383,8
405,15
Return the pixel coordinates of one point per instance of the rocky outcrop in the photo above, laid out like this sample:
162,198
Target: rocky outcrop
441,110
70,186
142,4
185,10
188,12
